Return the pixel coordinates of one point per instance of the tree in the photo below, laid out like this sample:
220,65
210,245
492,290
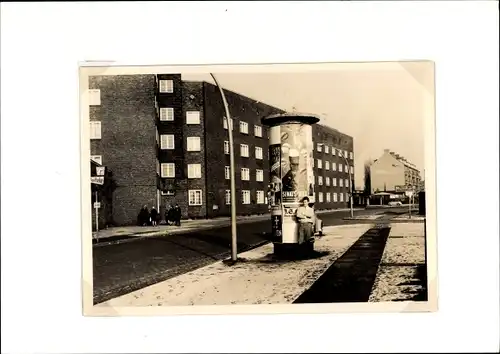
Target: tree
368,184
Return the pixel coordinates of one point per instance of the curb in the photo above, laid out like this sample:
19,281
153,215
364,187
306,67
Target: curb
136,236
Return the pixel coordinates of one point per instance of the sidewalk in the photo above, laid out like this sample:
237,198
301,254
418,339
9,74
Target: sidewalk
402,271
186,226
257,279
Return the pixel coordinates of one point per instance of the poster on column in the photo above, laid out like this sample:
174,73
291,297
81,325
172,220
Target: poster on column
296,162
274,194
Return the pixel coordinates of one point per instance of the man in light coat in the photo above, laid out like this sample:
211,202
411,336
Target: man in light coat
306,219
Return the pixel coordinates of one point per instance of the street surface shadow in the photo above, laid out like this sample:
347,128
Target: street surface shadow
272,258
421,281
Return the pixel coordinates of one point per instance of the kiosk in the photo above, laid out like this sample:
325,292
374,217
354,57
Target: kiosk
291,177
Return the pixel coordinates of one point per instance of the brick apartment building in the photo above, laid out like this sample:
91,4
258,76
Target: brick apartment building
166,142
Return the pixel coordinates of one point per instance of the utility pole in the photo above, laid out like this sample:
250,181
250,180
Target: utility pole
234,249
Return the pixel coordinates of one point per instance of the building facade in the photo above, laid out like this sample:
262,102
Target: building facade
393,173
166,141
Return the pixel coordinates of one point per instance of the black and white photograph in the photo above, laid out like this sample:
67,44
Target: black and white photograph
276,185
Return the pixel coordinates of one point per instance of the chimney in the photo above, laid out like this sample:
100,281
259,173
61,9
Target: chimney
386,151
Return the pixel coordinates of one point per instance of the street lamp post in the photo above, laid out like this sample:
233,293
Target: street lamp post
350,180
234,250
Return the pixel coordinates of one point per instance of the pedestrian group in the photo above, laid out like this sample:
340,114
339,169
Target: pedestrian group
151,217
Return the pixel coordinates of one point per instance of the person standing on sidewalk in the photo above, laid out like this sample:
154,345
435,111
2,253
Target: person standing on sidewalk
154,216
178,214
143,216
305,217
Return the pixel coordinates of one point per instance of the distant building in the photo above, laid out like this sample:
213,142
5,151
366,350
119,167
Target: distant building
392,173
166,142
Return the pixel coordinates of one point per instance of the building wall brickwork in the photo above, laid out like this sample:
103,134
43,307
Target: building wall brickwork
127,144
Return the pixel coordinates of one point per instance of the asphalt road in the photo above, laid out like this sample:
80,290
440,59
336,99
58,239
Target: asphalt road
125,267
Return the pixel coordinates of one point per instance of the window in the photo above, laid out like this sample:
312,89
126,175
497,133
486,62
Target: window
346,154
166,86
318,147
244,150
346,169
97,158
168,170
193,143
341,197
227,196
225,123
327,149
244,127
333,151
320,197
166,114
352,169
328,199
194,170
320,163
334,181
327,180
245,174
195,197
258,131
346,183
340,167
246,196
95,130
341,182
335,199
258,152
167,142
193,117
320,180
351,155
334,166
95,97
227,172
260,197
259,175
226,147
327,165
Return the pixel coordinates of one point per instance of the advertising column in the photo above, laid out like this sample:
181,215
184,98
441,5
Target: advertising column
290,171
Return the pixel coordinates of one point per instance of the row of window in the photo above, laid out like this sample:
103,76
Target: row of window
341,168
244,128
167,115
342,182
245,174
342,153
246,197
167,170
337,197
195,197
244,150
167,142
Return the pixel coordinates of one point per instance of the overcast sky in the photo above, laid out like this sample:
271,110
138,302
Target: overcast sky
378,104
